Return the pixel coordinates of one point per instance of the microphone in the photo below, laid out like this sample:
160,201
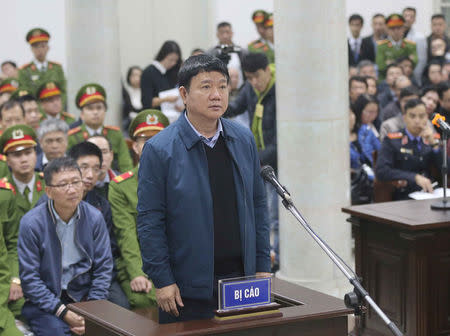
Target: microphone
439,121
268,174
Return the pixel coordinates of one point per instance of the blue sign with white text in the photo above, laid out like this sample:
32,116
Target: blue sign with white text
245,293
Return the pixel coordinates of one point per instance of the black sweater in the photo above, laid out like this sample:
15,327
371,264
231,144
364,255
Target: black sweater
152,83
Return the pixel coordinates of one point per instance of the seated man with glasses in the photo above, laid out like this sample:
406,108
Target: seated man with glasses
89,158
64,253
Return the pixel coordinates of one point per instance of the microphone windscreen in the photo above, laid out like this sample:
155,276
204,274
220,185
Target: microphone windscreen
266,171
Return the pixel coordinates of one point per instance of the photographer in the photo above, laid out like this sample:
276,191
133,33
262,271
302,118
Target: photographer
227,51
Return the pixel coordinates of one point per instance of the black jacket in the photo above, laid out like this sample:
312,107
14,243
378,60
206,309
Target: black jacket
152,83
368,51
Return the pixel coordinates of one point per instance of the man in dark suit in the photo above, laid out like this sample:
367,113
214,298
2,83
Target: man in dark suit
369,43
354,42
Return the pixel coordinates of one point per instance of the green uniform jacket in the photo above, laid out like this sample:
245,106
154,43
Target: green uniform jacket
261,46
122,196
387,54
10,226
23,206
122,159
64,116
4,170
30,78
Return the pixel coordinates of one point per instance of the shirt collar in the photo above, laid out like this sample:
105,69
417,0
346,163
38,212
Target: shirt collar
395,44
92,131
40,65
21,186
412,137
106,179
210,142
44,159
160,67
76,215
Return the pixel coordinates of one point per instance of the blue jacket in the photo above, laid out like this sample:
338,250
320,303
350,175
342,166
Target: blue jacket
39,251
175,211
369,143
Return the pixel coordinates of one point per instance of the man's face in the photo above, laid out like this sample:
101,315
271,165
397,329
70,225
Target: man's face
407,67
357,88
259,79
12,116
22,162
9,71
269,33
138,145
416,119
378,25
369,113
32,114
40,50
371,86
396,33
107,154
410,18
52,105
355,27
54,145
4,97
438,27
434,74
392,74
368,70
66,189
438,47
90,170
207,98
431,100
404,100
445,101
93,115
400,83
225,35
261,30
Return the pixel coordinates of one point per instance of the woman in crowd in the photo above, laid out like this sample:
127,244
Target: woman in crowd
131,94
432,74
161,75
366,110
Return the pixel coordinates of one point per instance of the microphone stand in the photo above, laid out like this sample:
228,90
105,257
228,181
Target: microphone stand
353,299
443,204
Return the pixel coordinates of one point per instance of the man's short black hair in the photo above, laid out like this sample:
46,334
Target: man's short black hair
8,105
378,15
252,62
361,79
442,88
55,166
10,63
438,16
404,58
26,98
85,148
412,103
427,89
223,24
200,63
409,91
354,17
393,65
411,9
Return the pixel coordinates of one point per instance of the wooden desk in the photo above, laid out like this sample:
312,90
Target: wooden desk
402,252
318,315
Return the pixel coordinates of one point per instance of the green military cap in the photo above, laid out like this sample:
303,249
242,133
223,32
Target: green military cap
9,85
90,93
48,89
395,20
259,16
146,123
268,22
37,35
20,93
17,138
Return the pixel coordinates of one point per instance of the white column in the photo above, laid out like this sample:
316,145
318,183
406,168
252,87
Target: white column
313,144
92,29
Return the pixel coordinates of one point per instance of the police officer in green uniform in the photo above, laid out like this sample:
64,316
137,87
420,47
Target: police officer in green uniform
9,269
91,100
395,46
7,87
4,170
49,95
19,143
40,70
123,199
265,44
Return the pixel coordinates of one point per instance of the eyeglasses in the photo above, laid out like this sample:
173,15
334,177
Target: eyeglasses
66,186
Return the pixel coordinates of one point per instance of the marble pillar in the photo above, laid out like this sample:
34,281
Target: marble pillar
93,53
313,150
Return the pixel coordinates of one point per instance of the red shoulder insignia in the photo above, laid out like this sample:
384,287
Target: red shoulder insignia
68,115
2,157
409,41
123,177
396,135
25,65
115,128
7,185
74,130
380,42
54,63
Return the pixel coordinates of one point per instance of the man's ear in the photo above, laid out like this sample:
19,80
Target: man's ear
48,191
183,93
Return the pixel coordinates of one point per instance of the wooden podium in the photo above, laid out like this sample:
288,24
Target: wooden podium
403,255
305,312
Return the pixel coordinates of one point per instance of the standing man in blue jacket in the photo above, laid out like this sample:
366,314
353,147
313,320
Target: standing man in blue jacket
202,212
64,253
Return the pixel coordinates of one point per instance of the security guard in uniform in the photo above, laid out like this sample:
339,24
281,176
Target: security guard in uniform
91,100
7,87
9,267
263,22
395,46
40,70
49,95
19,143
123,199
408,155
